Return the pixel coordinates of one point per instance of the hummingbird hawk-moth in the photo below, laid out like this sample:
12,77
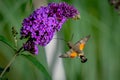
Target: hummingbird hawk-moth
76,50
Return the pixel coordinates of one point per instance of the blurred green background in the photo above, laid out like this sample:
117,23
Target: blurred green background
98,18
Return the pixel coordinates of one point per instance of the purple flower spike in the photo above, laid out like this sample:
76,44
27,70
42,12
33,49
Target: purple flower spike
41,25
31,47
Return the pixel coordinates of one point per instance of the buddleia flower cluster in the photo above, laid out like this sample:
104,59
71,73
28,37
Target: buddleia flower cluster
42,24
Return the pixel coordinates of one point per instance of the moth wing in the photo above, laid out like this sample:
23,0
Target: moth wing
83,40
69,54
81,44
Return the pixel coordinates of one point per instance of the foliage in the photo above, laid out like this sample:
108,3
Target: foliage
98,18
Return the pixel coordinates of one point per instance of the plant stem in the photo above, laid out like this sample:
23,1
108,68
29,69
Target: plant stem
11,61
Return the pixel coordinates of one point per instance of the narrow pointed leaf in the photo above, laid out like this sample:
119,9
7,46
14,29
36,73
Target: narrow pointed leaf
4,40
38,65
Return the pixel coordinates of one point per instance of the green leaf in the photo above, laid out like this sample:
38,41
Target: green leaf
4,40
37,64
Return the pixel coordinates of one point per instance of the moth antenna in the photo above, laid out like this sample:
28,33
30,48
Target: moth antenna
72,37
67,42
61,39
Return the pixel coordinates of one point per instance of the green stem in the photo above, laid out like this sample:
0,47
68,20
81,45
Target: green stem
11,61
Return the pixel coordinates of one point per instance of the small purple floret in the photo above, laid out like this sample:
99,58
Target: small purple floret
31,47
41,25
